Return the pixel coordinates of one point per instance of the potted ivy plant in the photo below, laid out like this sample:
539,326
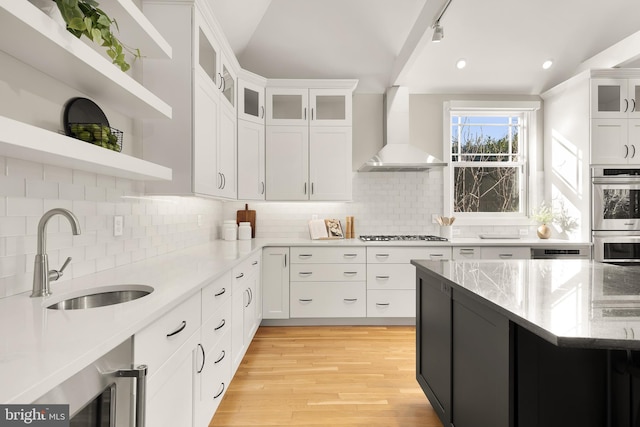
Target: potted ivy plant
83,17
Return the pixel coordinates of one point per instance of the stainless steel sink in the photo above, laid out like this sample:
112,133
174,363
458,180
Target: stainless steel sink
105,296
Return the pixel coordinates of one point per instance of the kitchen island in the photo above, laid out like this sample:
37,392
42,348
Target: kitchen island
529,342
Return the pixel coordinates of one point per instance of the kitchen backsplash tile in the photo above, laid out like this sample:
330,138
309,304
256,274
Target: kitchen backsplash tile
152,226
383,203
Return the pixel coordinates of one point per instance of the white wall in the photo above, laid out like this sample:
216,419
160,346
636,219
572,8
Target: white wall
27,190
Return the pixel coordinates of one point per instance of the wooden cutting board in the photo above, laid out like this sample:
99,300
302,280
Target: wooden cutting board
247,215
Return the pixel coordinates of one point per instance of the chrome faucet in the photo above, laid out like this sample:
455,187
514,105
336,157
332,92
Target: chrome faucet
41,274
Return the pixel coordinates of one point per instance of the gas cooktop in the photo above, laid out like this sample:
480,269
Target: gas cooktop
412,237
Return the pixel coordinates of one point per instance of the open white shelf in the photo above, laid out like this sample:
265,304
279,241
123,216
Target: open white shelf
47,46
23,141
135,29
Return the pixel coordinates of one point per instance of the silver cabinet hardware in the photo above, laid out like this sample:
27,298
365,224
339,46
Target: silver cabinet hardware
140,375
222,355
350,299
305,299
221,292
305,273
350,256
221,391
240,276
382,277
384,304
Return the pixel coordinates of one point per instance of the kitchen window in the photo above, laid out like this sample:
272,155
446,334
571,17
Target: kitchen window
487,145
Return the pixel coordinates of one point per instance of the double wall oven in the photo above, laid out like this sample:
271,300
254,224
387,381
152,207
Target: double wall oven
615,220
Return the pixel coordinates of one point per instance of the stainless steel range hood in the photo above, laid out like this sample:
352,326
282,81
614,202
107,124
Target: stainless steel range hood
397,155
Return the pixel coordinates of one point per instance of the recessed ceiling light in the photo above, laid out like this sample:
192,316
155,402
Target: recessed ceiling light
461,64
547,64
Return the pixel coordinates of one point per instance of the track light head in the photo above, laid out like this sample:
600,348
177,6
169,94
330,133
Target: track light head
438,33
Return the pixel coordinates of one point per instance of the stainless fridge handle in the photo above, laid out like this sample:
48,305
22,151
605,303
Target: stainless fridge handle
140,375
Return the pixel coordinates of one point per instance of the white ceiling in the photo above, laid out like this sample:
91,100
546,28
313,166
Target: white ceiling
388,42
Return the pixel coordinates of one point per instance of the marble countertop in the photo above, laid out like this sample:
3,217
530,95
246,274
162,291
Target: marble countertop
40,347
455,242
573,303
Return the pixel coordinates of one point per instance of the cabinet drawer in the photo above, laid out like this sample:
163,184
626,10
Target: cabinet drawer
216,326
247,268
327,255
467,252
215,296
509,252
397,255
394,303
391,276
328,272
155,343
338,299
214,376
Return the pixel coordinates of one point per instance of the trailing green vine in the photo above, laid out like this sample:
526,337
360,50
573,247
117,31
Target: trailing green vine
83,17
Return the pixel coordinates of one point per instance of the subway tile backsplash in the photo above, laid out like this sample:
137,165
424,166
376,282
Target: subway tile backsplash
383,203
152,225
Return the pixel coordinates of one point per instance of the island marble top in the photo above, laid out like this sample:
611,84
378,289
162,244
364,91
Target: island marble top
571,303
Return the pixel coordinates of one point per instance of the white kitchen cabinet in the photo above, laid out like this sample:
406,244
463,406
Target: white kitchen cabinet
391,279
327,282
309,139
167,347
613,98
287,163
615,141
251,160
170,399
251,97
491,252
296,106
275,283
245,314
200,142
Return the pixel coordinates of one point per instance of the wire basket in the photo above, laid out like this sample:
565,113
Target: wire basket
97,134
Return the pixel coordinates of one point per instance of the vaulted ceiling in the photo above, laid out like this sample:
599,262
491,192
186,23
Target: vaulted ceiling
388,42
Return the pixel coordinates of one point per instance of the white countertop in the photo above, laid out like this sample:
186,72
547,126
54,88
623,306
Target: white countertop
40,348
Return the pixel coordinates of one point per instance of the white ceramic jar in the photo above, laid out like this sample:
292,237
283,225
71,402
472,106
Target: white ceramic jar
229,230
244,231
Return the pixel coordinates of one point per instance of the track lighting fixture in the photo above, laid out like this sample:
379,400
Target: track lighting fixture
438,30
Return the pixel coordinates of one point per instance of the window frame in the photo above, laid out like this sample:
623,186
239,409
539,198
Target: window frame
528,111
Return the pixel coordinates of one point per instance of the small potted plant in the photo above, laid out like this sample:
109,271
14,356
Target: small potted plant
83,17
544,215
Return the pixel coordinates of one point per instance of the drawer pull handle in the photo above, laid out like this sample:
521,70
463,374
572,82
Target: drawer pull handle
436,255
505,255
180,329
203,357
240,276
382,255
383,304
305,256
222,291
350,273
350,299
221,325
254,263
382,277
467,251
350,255
305,299
222,355
221,391
305,273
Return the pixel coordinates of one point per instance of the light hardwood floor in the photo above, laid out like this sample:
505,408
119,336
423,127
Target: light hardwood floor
328,376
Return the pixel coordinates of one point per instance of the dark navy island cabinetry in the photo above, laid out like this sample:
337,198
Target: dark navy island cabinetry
528,343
